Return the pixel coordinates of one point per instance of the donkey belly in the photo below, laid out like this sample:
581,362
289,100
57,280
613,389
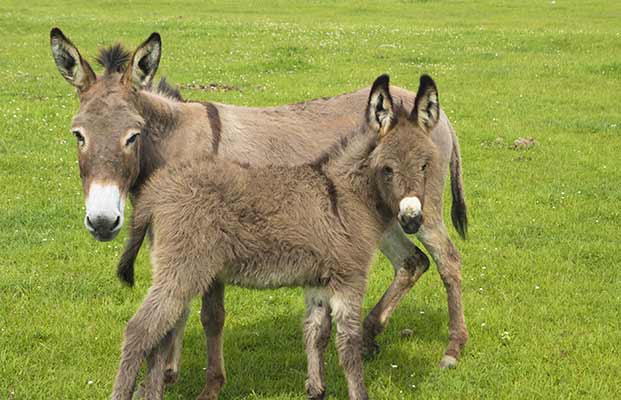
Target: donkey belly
267,270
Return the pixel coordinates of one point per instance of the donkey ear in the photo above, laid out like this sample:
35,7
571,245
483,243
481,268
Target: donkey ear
380,108
70,63
426,110
144,62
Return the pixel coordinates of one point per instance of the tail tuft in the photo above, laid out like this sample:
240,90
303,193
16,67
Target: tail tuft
138,229
459,214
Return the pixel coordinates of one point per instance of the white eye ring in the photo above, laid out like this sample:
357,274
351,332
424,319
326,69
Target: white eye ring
132,138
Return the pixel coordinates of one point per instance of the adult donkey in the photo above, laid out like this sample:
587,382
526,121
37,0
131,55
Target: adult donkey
126,130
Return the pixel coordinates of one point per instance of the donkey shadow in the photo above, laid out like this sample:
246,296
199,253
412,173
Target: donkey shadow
265,357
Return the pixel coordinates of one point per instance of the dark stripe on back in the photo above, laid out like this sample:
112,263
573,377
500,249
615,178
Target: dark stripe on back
213,115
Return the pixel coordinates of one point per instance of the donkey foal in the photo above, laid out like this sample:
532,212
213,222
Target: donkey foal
315,225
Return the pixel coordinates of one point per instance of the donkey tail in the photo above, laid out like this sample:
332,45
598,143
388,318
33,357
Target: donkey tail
458,207
137,230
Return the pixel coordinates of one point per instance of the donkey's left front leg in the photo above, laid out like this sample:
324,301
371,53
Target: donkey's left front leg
157,315
410,263
153,386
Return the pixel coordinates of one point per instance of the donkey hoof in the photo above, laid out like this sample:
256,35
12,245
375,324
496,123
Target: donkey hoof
448,362
370,349
315,394
207,395
171,376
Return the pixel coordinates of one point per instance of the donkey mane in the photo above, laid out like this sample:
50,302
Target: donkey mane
115,58
168,90
341,145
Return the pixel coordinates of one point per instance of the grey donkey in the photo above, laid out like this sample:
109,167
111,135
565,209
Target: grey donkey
316,225
127,128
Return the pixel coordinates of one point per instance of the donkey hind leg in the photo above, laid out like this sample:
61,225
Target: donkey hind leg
346,305
445,254
157,315
317,328
212,318
173,361
410,263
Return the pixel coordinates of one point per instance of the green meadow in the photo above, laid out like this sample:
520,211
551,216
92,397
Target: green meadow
541,267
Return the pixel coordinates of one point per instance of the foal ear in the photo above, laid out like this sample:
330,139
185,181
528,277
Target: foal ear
144,63
70,63
380,108
426,110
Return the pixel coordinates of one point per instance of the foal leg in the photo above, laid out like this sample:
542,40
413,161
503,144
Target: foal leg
173,361
317,327
157,315
212,318
346,307
156,361
446,256
410,263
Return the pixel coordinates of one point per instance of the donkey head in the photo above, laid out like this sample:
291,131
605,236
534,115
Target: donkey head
404,149
108,125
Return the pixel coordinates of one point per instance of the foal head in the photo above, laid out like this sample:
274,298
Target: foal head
108,125
404,150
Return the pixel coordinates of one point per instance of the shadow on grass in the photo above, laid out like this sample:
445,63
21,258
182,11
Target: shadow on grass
266,357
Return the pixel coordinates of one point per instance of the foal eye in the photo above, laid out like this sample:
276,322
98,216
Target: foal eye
80,137
131,139
387,172
424,167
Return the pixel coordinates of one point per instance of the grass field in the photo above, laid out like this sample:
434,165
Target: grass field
541,275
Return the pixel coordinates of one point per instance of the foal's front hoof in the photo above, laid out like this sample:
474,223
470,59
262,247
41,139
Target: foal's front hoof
448,362
313,393
171,376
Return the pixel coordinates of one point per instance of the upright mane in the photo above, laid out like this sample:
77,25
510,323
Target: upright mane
113,58
166,89
341,145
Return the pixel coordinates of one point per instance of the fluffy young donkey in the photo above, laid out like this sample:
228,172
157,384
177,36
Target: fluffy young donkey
315,225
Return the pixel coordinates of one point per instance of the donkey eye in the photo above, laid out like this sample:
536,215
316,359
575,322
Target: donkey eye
80,137
424,167
131,139
387,172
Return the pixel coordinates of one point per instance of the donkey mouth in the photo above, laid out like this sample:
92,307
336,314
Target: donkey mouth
105,237
103,232
411,225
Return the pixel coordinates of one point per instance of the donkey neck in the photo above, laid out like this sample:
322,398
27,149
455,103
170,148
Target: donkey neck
161,114
164,120
349,167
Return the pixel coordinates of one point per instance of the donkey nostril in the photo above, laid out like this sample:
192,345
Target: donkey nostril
117,221
89,223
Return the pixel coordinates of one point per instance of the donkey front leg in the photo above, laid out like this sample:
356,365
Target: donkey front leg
410,263
446,256
157,315
156,360
163,361
173,361
212,318
346,307
317,327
